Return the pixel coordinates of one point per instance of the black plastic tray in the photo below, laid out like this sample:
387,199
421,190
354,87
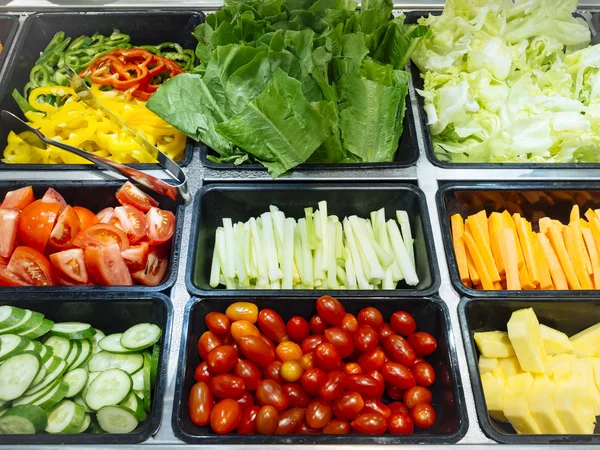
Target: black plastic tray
406,156
97,195
112,313
145,28
412,17
475,315
448,204
8,28
243,201
431,314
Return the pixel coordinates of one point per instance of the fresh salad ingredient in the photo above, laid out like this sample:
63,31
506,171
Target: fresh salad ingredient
328,382
47,242
510,82
315,252
538,379
503,252
59,378
295,82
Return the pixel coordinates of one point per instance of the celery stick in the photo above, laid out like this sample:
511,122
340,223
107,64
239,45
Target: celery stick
215,268
275,284
228,264
261,264
308,280
318,284
358,269
249,259
404,222
278,230
341,275
350,272
287,262
375,272
385,258
339,242
319,273
324,233
298,255
313,237
374,224
332,266
271,253
406,265
239,258
384,240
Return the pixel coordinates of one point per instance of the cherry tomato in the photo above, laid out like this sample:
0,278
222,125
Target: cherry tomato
424,373
312,379
269,342
330,310
333,387
53,196
366,386
36,223
207,342
291,371
246,400
257,350
241,328
423,415
222,359
348,406
310,343
365,338
136,257
341,340
296,396
227,386
369,423
398,375
297,328
86,217
288,351
394,392
242,311
377,376
31,266
217,322
100,235
318,414
372,360
370,316
403,323
308,360
376,406
416,395
317,325
248,372
248,422
156,266
7,278
161,225
268,392
424,344
133,222
290,420
200,403
349,323
267,420
327,357
273,372
9,223
67,226
106,266
400,423
129,194
352,368
305,429
71,264
398,407
105,216
202,372
272,325
384,331
226,416
399,350
19,198
337,427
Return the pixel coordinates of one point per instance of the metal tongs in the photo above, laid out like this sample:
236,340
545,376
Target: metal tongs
178,192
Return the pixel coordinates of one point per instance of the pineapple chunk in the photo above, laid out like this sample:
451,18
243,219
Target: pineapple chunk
494,384
526,339
555,342
559,365
516,408
584,369
542,407
586,343
595,362
510,366
487,364
573,405
494,344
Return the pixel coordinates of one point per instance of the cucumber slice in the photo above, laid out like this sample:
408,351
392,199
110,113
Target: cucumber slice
52,363
2,412
17,373
73,330
155,361
116,419
11,344
16,425
147,369
84,355
109,388
134,404
138,380
34,346
32,322
95,339
50,378
46,353
80,401
87,420
60,345
77,380
73,353
112,343
10,316
65,418
40,376
36,415
105,360
47,398
141,336
43,328
140,394
91,377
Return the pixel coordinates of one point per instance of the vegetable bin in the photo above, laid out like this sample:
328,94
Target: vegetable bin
112,313
431,315
8,29
531,200
240,202
145,28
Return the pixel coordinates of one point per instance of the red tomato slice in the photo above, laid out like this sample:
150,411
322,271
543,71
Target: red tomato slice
9,221
52,195
36,224
32,266
156,267
134,196
136,256
161,225
19,198
106,214
106,266
100,235
9,279
62,280
86,217
66,228
71,264
133,222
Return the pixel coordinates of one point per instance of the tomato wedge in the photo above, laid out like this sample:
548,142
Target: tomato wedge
136,256
19,198
133,222
32,266
156,266
134,196
52,195
161,225
9,279
106,266
66,228
86,217
9,222
71,264
106,214
36,224
100,235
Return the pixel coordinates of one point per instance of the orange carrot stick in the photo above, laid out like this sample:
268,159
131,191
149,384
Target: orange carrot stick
508,250
558,244
558,276
576,259
545,277
591,214
494,223
578,238
458,228
508,222
482,269
528,251
479,235
475,278
593,252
